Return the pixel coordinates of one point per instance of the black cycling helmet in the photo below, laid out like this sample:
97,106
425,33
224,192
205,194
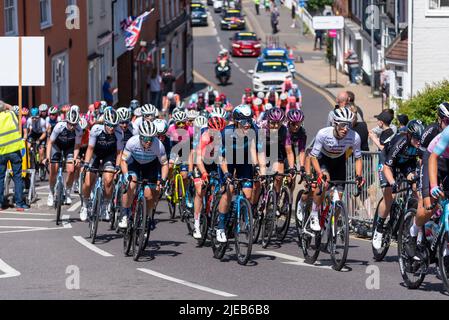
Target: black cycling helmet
443,110
415,128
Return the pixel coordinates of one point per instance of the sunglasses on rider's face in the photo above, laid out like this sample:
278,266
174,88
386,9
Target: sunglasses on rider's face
110,125
181,124
146,139
275,124
124,122
294,124
344,126
244,122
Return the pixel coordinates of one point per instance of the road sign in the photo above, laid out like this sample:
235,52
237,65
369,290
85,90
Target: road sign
328,22
332,33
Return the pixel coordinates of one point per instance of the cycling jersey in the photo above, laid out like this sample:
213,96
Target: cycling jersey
240,144
135,152
298,140
327,144
36,126
104,144
123,137
178,135
49,123
429,134
440,144
272,144
400,152
64,141
295,93
208,149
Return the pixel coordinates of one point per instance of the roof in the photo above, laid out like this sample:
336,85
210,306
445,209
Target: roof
398,50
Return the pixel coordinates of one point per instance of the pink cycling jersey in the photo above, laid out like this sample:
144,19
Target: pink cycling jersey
178,135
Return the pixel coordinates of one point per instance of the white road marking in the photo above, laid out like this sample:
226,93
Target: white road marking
18,227
242,71
42,188
65,223
90,246
25,219
187,283
32,230
218,39
236,64
75,207
295,260
28,213
9,272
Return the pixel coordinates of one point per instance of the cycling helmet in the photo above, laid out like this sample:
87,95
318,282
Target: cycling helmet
201,122
75,107
103,104
138,112
124,114
415,128
276,115
295,116
73,116
343,115
242,112
249,100
161,126
294,86
283,96
268,107
147,129
83,123
201,95
192,106
54,110
65,108
272,89
258,102
223,97
180,116
218,113
111,117
16,110
261,95
25,112
170,95
247,90
134,105
149,110
192,114
443,110
217,123
34,112
43,108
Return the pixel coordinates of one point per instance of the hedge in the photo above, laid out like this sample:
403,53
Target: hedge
424,104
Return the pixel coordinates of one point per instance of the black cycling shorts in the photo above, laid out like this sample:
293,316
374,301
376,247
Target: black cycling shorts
443,165
336,167
241,171
56,154
404,170
35,137
108,162
149,171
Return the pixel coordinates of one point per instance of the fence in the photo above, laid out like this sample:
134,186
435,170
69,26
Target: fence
303,14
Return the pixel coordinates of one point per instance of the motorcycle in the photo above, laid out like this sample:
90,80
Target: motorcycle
223,72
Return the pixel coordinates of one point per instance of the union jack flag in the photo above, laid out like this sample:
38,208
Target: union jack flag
133,31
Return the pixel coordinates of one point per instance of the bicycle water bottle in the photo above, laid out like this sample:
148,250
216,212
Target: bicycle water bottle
431,230
335,196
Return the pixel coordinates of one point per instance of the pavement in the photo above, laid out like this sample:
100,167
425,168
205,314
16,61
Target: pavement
315,68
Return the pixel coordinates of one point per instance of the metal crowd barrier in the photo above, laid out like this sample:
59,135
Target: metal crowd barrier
29,190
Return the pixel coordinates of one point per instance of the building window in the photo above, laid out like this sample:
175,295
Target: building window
103,8
91,11
11,18
60,79
437,8
45,7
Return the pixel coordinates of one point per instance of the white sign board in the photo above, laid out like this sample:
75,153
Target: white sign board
328,22
33,61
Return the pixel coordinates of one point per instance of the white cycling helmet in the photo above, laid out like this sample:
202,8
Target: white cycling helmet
258,102
83,123
268,106
192,114
75,107
103,104
73,116
43,108
201,122
170,95
218,112
244,109
261,95
134,104
180,116
149,110
283,96
161,126
138,112
124,114
111,117
343,115
16,110
147,129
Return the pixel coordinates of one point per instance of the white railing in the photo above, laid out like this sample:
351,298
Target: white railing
303,14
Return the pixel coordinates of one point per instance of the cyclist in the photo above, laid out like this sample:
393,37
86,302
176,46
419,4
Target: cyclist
295,92
162,129
191,116
84,125
103,148
248,94
297,136
43,111
36,132
206,161
283,101
201,104
211,96
242,136
170,102
399,154
144,157
52,120
272,97
124,131
257,107
149,113
328,157
287,86
64,142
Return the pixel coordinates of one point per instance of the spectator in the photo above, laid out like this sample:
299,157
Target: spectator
351,102
361,128
167,80
257,4
385,79
318,37
293,15
155,88
342,101
352,60
275,20
267,5
108,91
403,121
11,146
383,132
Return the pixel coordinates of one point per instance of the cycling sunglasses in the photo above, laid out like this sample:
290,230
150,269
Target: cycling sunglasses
344,125
124,122
146,139
110,125
181,124
244,122
295,124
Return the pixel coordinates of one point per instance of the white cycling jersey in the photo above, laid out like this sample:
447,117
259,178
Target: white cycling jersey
38,126
327,144
134,151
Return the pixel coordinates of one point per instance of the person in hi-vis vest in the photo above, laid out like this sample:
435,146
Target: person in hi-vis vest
11,146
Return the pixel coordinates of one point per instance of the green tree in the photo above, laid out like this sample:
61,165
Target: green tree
317,5
424,104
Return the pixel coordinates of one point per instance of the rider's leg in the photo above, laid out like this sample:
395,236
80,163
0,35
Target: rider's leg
279,168
41,154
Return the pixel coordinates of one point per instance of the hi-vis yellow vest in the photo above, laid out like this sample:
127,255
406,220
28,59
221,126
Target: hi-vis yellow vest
10,137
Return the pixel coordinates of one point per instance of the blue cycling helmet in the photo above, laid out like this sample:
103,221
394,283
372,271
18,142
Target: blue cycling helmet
34,112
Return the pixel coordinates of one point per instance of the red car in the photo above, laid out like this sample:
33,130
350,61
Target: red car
245,44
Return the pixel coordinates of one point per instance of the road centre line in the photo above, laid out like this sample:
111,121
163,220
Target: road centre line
75,207
9,272
90,246
32,230
25,219
27,213
187,283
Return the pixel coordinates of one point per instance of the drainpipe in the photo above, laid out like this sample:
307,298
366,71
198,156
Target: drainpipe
410,49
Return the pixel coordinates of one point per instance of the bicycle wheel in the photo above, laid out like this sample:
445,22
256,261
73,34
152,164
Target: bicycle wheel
150,220
300,208
42,173
139,230
258,217
339,236
116,207
218,248
269,220
443,259
95,216
59,190
204,226
283,221
310,240
80,183
186,211
243,233
128,238
170,201
380,254
413,272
